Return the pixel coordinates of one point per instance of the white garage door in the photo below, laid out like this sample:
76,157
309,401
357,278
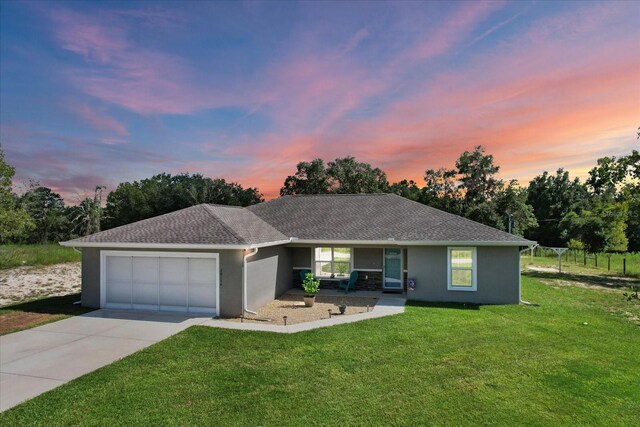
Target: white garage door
166,281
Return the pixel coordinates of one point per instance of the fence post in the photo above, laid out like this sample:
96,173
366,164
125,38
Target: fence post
575,257
608,262
624,266
595,256
585,256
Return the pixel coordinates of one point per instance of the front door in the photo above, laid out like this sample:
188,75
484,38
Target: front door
393,269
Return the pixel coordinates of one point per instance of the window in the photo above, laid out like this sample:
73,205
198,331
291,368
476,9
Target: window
462,269
332,261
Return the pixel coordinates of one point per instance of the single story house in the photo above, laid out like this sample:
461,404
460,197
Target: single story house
224,260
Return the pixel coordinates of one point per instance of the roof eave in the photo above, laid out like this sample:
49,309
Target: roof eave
393,242
176,246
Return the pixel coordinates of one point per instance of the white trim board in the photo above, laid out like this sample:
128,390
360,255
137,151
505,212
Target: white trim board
176,246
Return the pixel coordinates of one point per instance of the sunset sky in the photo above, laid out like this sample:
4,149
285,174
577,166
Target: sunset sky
100,93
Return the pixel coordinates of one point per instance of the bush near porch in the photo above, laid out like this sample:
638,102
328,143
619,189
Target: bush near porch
572,360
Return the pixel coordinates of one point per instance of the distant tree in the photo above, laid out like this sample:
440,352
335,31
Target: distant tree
87,215
342,176
441,190
552,198
486,213
617,180
512,199
477,176
310,178
348,176
47,210
600,229
164,193
15,223
407,189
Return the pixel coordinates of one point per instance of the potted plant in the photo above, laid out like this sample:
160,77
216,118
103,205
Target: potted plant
311,287
342,306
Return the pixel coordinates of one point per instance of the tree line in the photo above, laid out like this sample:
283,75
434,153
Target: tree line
600,214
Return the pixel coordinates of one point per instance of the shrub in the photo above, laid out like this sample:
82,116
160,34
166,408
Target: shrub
311,285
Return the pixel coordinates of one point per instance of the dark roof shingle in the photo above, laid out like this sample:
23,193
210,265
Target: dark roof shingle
364,217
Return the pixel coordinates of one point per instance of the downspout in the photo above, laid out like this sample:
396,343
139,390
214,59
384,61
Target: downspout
244,282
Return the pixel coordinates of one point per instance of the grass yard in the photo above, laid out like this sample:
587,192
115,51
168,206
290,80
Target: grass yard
17,317
435,364
44,254
575,264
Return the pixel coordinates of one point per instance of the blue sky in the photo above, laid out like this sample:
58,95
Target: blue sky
97,93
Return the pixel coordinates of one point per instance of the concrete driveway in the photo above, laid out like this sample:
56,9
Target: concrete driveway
42,358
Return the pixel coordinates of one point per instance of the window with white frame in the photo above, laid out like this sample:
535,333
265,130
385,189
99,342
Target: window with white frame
332,262
462,269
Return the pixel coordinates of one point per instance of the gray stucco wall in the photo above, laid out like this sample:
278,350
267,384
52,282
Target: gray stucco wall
268,275
230,278
498,275
367,258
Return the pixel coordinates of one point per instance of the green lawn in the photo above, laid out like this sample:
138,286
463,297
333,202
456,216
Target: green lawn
44,254
435,364
574,263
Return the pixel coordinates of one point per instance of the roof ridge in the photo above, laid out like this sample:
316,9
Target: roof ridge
226,226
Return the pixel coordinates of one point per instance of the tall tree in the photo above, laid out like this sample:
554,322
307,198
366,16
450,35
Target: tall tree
86,216
348,176
164,193
441,190
310,178
47,210
510,204
553,197
407,189
342,176
477,176
15,223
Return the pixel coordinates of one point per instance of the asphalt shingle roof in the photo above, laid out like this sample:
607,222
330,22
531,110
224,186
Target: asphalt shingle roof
371,217
358,217
200,224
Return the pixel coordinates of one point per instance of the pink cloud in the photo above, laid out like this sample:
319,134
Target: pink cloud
99,120
124,74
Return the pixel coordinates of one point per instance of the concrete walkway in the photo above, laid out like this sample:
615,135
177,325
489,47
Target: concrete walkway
387,305
42,358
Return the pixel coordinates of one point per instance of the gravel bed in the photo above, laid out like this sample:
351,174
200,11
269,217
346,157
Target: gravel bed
293,307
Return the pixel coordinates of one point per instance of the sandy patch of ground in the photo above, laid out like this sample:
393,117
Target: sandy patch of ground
542,269
293,307
25,283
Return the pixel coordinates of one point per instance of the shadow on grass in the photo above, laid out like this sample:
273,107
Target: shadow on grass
610,282
50,305
453,305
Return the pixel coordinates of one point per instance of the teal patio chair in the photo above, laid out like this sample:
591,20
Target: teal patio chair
349,284
303,275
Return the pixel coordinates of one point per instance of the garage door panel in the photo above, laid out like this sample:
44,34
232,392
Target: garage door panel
145,278
173,282
118,279
202,281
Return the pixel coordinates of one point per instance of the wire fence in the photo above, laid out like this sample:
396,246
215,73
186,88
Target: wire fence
625,264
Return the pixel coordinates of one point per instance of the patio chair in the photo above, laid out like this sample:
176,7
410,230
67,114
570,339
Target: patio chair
349,284
303,275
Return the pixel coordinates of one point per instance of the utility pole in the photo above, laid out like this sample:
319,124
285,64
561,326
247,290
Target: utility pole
510,222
